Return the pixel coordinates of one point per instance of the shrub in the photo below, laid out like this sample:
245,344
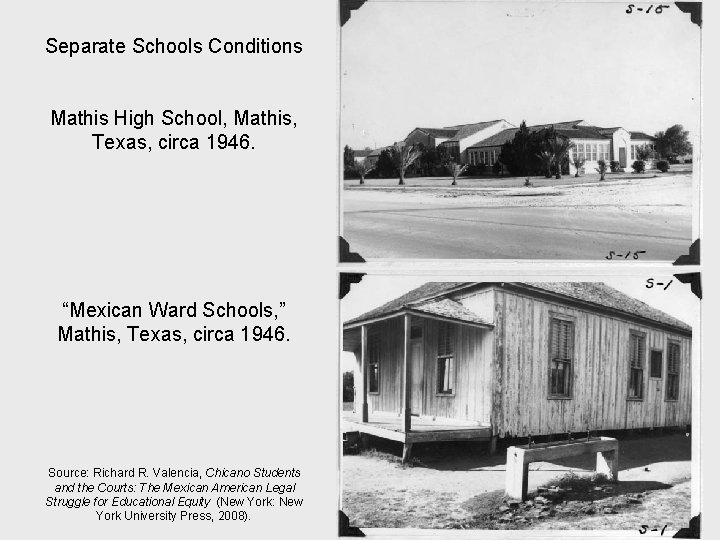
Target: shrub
614,166
663,165
638,166
497,168
348,386
476,170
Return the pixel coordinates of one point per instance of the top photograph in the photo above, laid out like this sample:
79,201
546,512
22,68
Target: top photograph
519,131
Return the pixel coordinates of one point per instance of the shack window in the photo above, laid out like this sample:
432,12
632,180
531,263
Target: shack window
415,332
656,364
637,361
373,363
562,345
673,371
446,359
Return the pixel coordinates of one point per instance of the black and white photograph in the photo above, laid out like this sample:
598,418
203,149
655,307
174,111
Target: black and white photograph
562,405
488,130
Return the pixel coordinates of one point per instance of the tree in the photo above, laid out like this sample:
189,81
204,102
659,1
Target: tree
384,167
602,169
402,157
579,163
559,146
519,153
348,158
429,162
455,169
643,153
362,168
547,160
673,142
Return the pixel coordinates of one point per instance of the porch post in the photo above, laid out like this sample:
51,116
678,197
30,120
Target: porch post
406,375
363,368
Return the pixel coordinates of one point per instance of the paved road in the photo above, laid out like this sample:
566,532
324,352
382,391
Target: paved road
466,232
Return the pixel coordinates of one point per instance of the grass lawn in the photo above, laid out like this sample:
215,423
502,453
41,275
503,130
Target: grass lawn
511,181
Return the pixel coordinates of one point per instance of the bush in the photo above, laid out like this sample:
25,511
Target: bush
348,387
614,166
638,166
663,165
476,170
497,168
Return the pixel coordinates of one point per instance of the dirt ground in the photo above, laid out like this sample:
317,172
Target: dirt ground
459,486
568,221
632,193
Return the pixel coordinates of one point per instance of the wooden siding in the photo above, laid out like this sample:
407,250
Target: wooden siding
479,302
600,372
472,399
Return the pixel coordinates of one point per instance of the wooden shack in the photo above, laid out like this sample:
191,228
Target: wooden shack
486,360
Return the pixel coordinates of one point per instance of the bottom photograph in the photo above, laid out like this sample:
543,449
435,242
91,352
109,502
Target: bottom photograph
517,405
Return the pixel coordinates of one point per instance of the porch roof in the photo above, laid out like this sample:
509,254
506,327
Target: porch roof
443,309
450,309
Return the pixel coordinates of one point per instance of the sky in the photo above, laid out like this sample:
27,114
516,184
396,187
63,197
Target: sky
414,64
374,290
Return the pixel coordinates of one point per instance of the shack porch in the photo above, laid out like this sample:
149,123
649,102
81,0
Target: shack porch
422,430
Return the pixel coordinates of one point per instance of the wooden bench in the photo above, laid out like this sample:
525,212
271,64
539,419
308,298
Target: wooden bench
520,457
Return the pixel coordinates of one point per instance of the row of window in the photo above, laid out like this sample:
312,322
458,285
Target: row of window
584,151
592,151
484,157
562,355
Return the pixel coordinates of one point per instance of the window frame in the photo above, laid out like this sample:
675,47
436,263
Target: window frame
676,343
452,357
662,363
643,365
373,347
606,151
571,377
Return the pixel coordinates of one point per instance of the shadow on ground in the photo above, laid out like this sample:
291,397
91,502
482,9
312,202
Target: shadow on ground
636,450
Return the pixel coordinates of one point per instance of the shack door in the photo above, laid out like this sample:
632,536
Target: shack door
655,388
416,370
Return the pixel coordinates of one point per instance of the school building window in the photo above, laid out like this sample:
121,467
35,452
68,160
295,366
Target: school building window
605,152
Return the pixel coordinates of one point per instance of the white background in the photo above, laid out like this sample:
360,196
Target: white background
81,224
